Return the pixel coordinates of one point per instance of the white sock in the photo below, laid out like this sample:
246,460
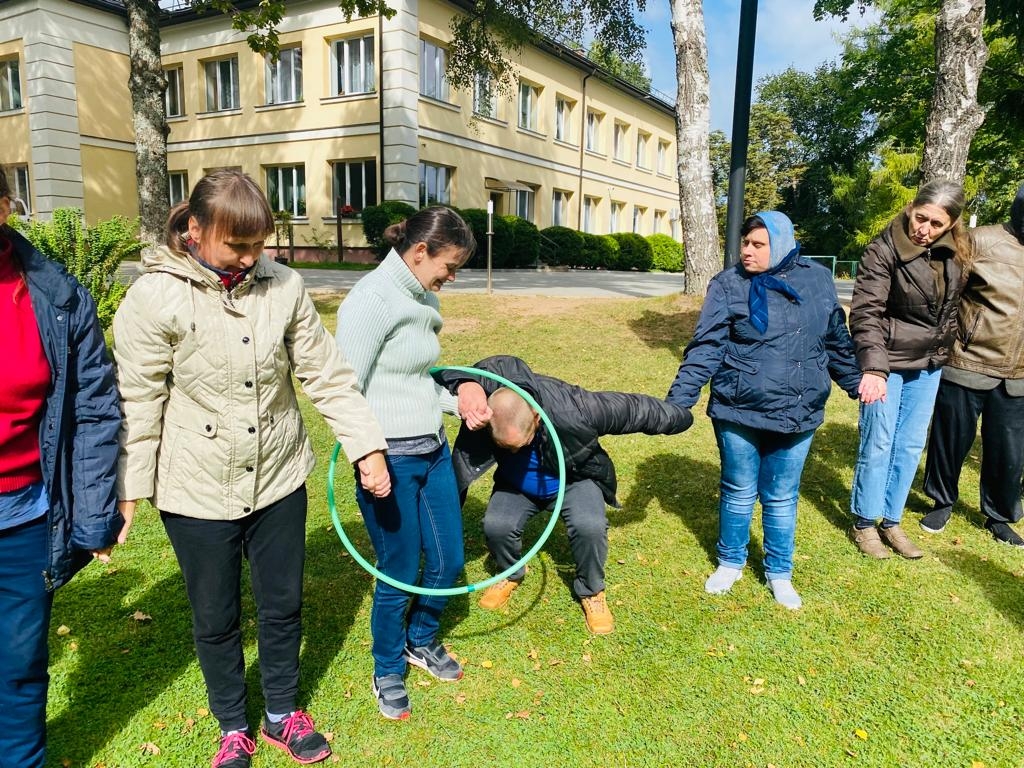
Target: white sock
785,594
722,579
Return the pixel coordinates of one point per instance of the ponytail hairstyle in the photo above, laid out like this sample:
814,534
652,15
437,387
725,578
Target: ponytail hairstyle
224,201
438,227
949,196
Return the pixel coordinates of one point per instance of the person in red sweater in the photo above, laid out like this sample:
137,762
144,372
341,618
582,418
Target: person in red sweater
59,421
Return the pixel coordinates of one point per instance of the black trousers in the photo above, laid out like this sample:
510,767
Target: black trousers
210,553
954,426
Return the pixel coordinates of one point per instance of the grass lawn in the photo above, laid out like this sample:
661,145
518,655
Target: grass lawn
891,663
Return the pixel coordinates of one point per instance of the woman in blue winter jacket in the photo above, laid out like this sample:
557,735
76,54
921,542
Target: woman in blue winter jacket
59,420
770,336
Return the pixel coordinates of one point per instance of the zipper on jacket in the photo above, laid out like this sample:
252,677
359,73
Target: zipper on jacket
974,329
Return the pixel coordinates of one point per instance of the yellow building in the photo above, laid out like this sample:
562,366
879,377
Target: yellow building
350,114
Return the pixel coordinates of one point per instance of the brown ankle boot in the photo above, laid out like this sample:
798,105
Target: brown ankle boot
868,542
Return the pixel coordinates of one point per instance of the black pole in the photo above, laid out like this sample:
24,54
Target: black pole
740,130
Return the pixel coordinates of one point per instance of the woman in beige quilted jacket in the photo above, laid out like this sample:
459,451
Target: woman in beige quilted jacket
206,343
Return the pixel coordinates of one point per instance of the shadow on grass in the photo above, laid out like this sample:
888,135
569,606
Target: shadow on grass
1003,588
671,329
834,448
684,487
122,664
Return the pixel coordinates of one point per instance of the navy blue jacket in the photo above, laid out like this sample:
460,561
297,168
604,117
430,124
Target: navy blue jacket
778,380
79,430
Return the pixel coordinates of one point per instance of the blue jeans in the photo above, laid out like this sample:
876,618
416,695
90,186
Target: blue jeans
892,437
758,463
421,518
24,622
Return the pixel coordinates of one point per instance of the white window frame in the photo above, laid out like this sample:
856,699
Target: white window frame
433,60
662,156
10,85
284,76
642,140
638,219
560,208
593,134
613,219
216,88
355,64
590,206
563,118
621,132
659,221
175,93
435,184
297,174
366,169
18,179
485,102
177,186
524,203
529,101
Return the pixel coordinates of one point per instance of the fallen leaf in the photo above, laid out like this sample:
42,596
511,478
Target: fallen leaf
533,654
801,680
953,598
620,561
460,698
63,629
140,616
149,748
423,683
861,734
522,714
586,658
159,725
977,764
516,682
328,736
73,645
202,711
486,663
554,662
969,683
742,736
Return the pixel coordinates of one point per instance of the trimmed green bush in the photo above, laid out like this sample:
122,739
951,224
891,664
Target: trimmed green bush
377,218
668,254
92,254
599,251
525,242
634,252
503,242
561,247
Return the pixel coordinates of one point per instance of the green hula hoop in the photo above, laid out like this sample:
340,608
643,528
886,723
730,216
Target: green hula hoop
466,588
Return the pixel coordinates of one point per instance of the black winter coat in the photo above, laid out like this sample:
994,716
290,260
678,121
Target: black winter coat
579,416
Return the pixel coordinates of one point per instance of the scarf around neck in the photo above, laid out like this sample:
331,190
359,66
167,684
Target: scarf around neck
761,283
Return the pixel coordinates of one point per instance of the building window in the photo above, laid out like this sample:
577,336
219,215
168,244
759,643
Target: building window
10,85
641,150
17,178
174,96
433,83
563,119
616,217
177,181
284,77
659,222
222,85
523,203
559,208
529,96
590,214
638,219
355,185
354,65
484,103
662,157
593,132
619,141
286,189
435,184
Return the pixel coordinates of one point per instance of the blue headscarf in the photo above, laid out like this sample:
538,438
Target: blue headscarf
783,251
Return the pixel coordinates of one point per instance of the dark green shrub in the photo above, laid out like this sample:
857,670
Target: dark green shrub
668,254
561,247
92,254
634,252
599,251
377,218
503,243
525,242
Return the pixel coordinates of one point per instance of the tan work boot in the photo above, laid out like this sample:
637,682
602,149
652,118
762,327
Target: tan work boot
496,595
595,611
897,538
869,542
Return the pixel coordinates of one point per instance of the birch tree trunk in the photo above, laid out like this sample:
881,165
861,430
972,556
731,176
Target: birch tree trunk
954,115
693,163
147,84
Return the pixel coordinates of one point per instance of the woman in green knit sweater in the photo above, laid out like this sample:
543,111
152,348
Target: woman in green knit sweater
387,329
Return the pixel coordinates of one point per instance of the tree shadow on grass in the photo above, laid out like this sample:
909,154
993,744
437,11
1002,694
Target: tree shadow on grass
822,484
1003,588
684,487
123,663
671,329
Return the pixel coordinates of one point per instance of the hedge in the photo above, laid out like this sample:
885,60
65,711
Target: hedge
561,247
668,254
634,252
377,218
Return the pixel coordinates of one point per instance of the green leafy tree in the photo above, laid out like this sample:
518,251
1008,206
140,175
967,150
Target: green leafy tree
91,254
633,72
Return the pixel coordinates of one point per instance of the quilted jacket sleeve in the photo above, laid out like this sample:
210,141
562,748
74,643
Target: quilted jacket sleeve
704,353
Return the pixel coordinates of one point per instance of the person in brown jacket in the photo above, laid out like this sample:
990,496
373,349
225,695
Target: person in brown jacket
984,377
903,320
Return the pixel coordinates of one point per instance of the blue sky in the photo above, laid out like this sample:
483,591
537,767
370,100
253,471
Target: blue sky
787,35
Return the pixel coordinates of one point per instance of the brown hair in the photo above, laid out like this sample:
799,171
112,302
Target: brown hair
222,201
949,196
438,227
